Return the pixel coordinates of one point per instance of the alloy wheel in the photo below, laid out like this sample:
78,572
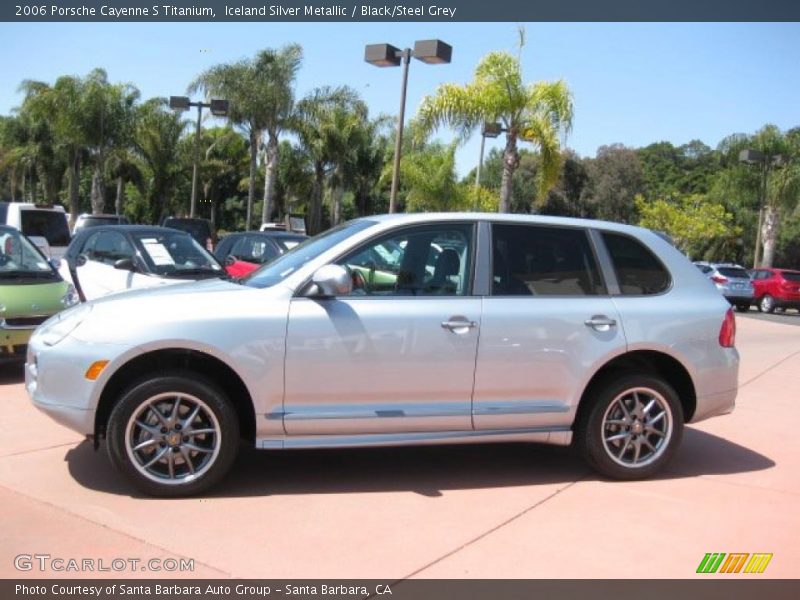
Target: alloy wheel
636,427
173,438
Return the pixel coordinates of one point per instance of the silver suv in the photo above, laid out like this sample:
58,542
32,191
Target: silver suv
470,328
732,281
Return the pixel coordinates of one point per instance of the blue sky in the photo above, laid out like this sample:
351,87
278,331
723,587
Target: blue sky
634,83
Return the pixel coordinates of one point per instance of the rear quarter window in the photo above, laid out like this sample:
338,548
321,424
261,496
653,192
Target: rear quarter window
639,272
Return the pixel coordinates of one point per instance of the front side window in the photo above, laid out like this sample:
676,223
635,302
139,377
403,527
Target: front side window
109,247
535,260
432,260
639,272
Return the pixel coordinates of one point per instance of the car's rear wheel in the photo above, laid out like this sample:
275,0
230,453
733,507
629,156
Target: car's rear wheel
743,307
632,428
766,304
173,435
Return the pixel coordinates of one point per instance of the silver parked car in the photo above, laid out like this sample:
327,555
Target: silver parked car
733,282
470,328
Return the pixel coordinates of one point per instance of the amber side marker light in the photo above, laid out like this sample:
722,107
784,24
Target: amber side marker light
93,372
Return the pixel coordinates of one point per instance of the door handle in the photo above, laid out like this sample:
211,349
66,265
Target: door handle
458,323
600,322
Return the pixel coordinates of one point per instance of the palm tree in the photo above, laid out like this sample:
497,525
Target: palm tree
37,152
156,138
318,119
261,96
536,113
783,192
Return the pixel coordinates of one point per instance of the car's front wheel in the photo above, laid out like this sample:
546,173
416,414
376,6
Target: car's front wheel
632,428
743,307
173,435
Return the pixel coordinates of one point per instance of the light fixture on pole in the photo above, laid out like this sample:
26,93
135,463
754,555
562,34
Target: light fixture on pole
432,52
219,108
765,161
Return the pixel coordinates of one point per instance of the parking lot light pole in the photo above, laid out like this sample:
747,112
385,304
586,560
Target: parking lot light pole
491,130
432,52
219,108
765,161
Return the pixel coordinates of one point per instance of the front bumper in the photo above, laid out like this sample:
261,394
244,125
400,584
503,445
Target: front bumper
13,342
55,381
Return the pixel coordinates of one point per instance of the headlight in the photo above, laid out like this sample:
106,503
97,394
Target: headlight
58,327
71,297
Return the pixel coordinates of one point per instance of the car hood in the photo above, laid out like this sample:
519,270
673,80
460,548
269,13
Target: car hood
35,299
180,311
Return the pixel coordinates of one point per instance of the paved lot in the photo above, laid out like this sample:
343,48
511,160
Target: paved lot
511,511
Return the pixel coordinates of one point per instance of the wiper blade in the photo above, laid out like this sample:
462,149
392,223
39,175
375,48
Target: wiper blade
197,271
22,274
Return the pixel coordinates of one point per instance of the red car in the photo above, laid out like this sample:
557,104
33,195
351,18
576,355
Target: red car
776,288
244,252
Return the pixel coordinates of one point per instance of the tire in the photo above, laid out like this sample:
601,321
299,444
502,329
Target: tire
766,304
627,456
741,307
158,454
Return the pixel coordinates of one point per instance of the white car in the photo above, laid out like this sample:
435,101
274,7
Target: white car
48,223
114,258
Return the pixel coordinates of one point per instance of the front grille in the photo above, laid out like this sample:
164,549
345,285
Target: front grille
25,321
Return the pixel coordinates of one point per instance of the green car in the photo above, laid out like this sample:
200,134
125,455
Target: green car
31,291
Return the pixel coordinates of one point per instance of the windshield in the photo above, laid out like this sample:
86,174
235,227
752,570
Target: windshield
197,228
96,221
174,253
286,242
733,272
288,263
19,256
50,224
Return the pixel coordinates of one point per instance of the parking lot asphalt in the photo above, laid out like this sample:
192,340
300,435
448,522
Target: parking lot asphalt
486,511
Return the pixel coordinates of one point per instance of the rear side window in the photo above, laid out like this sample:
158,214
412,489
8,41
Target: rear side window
791,275
638,271
530,260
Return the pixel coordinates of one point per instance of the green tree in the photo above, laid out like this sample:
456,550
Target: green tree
261,96
156,137
693,223
318,119
615,178
536,113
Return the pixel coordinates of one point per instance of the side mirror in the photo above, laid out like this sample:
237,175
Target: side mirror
125,264
80,260
331,280
55,263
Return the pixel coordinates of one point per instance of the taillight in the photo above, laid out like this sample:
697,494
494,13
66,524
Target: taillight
719,279
727,333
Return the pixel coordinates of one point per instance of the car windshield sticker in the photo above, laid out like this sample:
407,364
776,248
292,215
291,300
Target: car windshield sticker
158,252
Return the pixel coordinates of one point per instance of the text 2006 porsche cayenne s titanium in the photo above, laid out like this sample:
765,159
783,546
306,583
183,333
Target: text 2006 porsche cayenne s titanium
401,329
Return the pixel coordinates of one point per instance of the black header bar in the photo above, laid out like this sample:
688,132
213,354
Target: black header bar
399,11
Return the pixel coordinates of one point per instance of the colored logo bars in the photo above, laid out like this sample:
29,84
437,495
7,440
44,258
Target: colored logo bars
742,562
